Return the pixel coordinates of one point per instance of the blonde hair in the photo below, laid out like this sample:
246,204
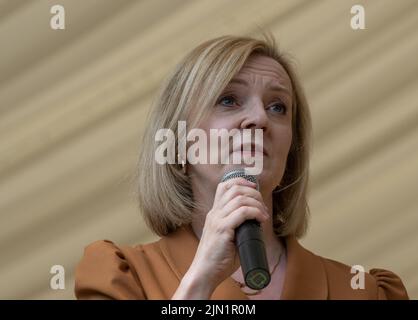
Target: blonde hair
190,92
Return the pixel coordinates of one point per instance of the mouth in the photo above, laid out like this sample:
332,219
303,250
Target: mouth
251,148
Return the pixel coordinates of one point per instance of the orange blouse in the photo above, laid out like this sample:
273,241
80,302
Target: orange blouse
154,271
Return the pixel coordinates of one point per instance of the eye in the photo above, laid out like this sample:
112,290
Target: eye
227,100
279,108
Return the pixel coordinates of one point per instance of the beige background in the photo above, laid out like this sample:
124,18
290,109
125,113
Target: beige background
72,106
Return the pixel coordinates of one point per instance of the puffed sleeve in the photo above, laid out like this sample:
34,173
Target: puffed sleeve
389,285
105,273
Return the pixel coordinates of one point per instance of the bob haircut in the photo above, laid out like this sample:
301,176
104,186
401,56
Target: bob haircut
189,94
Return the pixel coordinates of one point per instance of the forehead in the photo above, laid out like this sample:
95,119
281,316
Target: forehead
266,69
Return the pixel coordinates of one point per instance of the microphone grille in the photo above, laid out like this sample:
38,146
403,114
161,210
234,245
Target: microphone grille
239,173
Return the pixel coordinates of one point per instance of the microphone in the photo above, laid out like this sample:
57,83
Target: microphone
250,244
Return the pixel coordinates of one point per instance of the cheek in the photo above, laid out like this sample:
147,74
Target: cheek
216,122
282,142
288,139
284,139
283,147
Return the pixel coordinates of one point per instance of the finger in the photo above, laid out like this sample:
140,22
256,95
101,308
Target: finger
243,200
237,217
237,190
223,187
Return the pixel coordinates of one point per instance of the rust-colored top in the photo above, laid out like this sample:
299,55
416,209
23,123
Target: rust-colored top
154,271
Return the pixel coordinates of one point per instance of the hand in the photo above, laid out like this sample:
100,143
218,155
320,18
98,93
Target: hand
216,258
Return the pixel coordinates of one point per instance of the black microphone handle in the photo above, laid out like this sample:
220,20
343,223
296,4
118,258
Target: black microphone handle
250,244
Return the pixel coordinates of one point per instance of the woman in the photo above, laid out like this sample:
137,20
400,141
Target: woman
226,83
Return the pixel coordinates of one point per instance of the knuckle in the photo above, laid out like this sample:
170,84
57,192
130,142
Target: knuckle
220,228
223,185
240,198
236,190
240,210
245,209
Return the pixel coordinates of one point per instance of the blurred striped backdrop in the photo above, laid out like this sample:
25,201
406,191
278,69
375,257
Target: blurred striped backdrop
73,101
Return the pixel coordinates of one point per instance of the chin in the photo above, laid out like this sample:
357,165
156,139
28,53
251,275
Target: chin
267,179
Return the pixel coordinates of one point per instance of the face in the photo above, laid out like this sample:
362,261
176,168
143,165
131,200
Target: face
258,97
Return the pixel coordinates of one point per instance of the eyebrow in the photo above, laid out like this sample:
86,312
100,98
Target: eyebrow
271,87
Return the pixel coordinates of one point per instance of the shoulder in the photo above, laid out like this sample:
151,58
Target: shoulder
110,271
353,282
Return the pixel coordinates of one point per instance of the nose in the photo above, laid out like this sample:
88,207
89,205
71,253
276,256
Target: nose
255,117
